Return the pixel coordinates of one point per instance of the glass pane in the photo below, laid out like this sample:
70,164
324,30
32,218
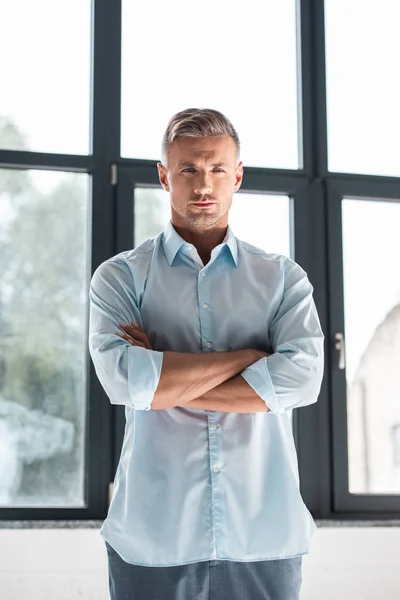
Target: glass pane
45,75
44,265
262,220
363,92
371,254
241,62
269,231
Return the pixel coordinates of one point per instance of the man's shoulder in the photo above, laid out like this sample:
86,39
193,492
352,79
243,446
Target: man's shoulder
138,251
133,260
273,262
269,256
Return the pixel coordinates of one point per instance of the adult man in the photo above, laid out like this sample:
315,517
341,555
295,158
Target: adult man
226,340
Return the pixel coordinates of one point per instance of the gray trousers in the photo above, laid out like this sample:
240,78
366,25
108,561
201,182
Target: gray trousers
208,580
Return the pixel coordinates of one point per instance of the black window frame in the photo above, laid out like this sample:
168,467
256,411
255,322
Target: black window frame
316,222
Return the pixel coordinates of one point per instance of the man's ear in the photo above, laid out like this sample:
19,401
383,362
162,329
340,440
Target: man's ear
239,175
162,176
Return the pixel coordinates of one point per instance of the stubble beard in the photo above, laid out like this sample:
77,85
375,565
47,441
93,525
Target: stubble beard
203,220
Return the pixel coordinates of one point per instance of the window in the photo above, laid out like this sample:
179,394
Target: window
203,58
45,79
371,256
43,300
87,91
271,231
363,92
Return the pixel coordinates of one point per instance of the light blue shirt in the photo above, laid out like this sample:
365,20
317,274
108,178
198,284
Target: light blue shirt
195,485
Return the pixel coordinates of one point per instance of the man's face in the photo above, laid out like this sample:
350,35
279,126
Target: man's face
201,170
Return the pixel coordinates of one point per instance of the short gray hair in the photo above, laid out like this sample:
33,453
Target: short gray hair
197,123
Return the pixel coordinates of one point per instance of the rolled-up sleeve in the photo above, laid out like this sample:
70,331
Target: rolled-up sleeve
291,377
129,374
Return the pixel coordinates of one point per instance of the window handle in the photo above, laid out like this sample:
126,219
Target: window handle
340,347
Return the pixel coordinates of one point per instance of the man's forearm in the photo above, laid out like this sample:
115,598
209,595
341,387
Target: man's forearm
187,376
234,395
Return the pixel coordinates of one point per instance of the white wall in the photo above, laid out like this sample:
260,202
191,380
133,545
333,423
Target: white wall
353,563
71,564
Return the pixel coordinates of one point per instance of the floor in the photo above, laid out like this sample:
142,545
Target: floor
345,563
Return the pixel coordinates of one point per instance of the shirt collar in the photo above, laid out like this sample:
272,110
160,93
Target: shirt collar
172,242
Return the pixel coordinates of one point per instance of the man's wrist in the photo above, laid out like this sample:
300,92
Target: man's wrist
257,354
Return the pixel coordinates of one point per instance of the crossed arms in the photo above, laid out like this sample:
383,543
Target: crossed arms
245,380
208,382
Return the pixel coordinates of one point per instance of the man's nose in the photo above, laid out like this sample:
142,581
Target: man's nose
203,186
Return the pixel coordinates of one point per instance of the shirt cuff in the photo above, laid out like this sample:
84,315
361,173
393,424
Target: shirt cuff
258,377
144,371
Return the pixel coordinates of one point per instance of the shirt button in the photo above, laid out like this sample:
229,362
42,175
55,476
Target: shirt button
203,274
205,305
214,426
209,344
216,469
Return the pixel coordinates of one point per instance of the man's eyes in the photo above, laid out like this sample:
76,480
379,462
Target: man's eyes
192,169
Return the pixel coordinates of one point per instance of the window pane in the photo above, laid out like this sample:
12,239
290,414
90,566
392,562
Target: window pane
240,61
371,254
44,265
363,92
45,75
262,220
269,231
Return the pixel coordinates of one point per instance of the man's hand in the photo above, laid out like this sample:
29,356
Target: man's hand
135,335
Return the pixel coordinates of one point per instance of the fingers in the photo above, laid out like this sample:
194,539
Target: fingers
131,340
137,334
